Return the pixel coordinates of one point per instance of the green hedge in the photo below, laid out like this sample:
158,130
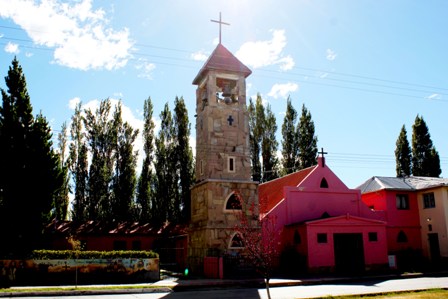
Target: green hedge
78,254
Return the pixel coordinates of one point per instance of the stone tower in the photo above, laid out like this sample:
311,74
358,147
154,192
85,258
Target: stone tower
223,167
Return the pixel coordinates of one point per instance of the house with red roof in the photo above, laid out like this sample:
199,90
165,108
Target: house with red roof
324,222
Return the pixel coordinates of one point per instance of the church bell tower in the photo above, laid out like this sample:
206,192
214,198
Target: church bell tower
224,186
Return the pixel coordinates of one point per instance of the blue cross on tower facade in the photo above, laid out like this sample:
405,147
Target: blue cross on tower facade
230,120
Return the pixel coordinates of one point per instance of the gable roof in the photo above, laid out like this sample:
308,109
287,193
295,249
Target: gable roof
271,193
411,183
222,60
344,218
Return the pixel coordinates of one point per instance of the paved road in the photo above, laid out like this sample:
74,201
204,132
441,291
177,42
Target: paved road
312,291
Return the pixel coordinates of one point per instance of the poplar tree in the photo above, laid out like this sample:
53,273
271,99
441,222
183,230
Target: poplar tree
269,146
30,176
165,175
144,183
403,156
101,136
254,142
425,158
184,159
289,139
60,210
307,141
125,178
78,165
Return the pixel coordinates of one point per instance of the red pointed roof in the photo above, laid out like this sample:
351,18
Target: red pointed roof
222,60
271,193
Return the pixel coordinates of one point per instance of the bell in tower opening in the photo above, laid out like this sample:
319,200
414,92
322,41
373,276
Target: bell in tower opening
227,90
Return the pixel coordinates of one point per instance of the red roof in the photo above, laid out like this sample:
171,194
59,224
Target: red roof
222,60
271,193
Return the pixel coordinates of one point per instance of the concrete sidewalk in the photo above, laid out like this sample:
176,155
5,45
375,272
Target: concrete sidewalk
171,284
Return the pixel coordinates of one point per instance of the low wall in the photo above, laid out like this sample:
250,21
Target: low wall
80,271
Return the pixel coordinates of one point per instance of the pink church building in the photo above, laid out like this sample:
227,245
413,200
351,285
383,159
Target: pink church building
324,222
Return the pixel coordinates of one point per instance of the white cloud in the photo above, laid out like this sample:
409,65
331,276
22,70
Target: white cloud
265,53
72,103
79,34
434,96
145,67
199,56
282,90
12,48
331,55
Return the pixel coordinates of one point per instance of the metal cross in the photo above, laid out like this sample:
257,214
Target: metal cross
220,23
323,158
230,120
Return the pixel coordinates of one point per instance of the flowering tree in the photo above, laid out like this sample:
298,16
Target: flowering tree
260,238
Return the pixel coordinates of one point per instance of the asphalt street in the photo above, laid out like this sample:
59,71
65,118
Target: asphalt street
304,291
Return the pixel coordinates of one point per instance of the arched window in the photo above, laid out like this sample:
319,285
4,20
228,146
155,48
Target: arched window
236,241
297,238
401,237
233,202
323,183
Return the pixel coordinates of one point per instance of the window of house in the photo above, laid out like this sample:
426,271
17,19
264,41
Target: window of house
83,244
322,238
430,227
119,245
323,183
429,200
136,245
233,202
402,201
401,237
236,241
231,164
297,238
373,237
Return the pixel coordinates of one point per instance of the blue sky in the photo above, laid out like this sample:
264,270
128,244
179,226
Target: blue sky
362,68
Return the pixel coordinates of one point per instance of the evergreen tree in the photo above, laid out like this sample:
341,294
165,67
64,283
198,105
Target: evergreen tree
270,147
425,158
125,178
403,156
101,136
184,157
254,141
29,174
78,165
61,204
434,164
290,139
144,182
307,141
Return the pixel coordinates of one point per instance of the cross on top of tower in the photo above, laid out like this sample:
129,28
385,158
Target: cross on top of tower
220,22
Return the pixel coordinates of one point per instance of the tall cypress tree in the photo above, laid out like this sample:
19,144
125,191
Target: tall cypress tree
144,183
289,139
307,141
30,176
184,157
425,158
403,156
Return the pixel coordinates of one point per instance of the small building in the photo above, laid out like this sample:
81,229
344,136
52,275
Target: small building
416,212
324,222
